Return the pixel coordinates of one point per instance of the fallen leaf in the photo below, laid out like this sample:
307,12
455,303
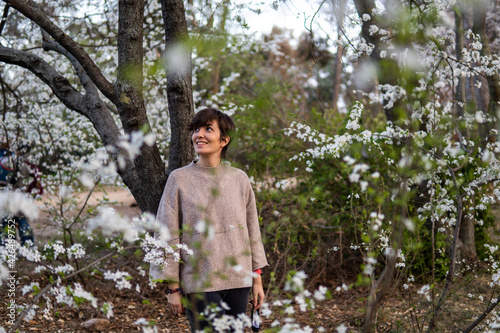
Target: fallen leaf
96,324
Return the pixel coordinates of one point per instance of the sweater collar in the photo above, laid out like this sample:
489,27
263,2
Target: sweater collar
216,168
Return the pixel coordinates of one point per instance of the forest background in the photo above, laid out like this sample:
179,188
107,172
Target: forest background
371,141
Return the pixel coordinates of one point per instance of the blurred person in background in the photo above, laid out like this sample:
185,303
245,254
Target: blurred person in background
17,173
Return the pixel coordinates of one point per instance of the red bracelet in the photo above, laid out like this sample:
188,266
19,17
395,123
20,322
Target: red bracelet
258,271
172,291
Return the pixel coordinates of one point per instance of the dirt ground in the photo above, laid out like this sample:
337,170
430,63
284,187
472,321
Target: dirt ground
119,198
404,310
345,308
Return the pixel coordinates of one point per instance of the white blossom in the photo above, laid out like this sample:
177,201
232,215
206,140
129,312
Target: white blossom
16,203
121,279
107,309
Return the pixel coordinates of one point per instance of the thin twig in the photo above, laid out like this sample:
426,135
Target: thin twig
84,204
451,293
482,316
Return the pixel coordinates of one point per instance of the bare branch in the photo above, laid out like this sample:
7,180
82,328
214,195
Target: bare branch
51,45
4,17
30,9
4,95
58,83
84,205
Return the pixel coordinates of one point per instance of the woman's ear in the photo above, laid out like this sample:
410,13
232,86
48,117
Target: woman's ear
225,141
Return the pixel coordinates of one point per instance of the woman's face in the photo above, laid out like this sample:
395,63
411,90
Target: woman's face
207,140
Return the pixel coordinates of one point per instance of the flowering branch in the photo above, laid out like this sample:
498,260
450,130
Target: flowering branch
52,45
482,316
31,10
58,83
387,274
451,271
50,285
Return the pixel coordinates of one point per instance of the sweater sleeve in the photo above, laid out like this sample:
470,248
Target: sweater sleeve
258,254
168,215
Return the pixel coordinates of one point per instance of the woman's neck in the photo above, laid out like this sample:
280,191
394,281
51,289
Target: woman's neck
209,161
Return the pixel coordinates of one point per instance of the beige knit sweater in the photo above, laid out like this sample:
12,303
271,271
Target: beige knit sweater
222,200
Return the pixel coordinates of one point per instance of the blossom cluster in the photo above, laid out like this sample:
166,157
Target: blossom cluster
73,294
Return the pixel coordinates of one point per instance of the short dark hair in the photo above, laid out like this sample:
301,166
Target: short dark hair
225,123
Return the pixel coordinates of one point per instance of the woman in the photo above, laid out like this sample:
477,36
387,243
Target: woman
211,206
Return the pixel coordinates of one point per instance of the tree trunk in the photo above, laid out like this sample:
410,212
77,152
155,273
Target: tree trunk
468,240
179,87
468,245
480,9
366,7
459,46
130,104
340,49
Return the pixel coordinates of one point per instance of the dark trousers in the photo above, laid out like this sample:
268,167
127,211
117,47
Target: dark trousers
236,300
25,231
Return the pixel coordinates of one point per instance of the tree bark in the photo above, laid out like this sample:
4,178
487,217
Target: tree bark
367,7
216,72
480,9
468,239
179,86
459,46
466,235
4,17
340,49
130,103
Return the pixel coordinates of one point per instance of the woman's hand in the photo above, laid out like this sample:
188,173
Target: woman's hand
258,295
175,302
175,299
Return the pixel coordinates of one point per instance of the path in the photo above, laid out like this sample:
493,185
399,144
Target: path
119,198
